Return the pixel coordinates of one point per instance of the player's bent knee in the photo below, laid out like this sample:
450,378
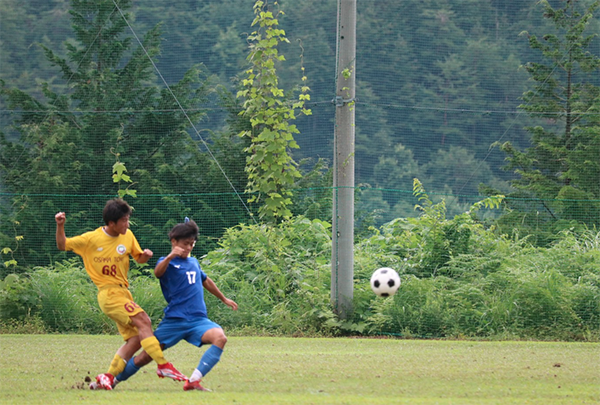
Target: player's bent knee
142,322
215,337
220,340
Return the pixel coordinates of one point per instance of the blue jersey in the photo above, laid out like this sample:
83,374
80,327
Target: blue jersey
181,286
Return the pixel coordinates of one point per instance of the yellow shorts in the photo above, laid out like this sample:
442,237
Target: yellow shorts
118,304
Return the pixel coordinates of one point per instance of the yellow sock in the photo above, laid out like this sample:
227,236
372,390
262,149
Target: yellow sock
152,347
117,365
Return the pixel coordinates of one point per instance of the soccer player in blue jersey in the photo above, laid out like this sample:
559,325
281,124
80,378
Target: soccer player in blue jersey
183,282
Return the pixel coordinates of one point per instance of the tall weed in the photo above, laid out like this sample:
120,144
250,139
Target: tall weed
459,280
67,299
280,275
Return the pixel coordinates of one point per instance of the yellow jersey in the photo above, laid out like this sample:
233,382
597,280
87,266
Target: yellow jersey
105,257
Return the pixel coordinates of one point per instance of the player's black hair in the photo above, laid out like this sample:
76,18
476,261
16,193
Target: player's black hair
115,209
185,230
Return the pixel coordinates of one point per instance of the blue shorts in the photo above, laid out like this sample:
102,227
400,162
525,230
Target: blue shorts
171,330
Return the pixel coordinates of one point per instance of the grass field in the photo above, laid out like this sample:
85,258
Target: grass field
50,369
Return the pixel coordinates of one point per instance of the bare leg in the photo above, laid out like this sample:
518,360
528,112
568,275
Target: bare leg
142,322
215,336
130,347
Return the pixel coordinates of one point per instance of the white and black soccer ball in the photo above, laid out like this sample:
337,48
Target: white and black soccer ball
385,282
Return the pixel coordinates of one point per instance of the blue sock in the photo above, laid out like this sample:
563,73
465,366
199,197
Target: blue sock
130,369
211,357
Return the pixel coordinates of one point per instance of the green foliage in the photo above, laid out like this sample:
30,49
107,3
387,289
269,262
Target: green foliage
17,301
28,326
460,278
119,174
8,253
473,40
428,242
137,130
62,298
560,169
66,299
524,295
477,284
271,169
461,281
279,273
313,195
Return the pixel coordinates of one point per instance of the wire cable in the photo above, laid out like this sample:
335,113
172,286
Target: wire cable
185,112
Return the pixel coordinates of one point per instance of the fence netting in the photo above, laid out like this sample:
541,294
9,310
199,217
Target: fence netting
438,87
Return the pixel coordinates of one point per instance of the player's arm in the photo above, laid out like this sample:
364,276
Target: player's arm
145,256
212,288
162,266
61,238
139,255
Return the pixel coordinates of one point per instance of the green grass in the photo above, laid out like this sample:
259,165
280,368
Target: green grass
50,369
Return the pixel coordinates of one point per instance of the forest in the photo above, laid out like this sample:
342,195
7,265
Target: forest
473,98
419,63
446,93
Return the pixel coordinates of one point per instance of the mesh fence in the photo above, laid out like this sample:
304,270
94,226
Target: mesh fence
438,83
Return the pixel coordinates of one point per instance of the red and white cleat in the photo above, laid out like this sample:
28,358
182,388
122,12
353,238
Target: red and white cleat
169,371
103,382
194,385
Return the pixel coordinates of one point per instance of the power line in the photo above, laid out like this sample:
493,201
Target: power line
185,112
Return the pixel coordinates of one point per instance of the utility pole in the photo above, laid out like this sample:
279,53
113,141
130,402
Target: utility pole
342,256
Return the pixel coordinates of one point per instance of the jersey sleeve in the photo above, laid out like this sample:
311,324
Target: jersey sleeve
77,244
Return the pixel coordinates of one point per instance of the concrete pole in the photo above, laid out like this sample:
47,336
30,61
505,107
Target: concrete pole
342,258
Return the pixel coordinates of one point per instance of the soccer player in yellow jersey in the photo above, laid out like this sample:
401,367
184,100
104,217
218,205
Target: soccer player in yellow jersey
105,252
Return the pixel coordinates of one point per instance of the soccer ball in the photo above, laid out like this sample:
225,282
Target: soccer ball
385,282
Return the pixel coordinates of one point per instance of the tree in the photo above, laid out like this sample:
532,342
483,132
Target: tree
561,168
113,112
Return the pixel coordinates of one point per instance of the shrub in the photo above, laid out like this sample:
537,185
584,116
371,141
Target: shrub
280,274
487,286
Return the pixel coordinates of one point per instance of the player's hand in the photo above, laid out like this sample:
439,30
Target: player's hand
147,253
231,304
178,251
60,218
